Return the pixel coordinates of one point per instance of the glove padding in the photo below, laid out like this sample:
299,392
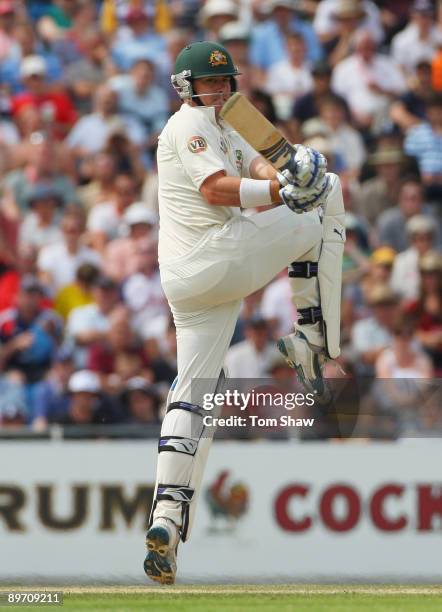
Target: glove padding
303,199
306,169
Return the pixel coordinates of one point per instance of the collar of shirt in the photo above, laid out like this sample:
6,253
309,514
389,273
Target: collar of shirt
209,111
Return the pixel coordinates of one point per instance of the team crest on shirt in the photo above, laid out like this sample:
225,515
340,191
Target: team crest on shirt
197,144
239,159
217,58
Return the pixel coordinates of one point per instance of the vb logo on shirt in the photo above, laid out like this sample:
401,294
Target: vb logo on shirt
197,144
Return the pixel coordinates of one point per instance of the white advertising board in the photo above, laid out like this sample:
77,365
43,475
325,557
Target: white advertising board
286,511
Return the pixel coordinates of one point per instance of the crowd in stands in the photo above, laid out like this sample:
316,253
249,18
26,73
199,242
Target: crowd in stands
86,335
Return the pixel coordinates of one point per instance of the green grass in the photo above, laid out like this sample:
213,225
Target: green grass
207,598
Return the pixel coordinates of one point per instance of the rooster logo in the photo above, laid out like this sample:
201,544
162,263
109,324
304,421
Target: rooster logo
227,503
217,58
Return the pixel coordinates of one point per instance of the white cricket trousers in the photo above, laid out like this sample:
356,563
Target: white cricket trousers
205,289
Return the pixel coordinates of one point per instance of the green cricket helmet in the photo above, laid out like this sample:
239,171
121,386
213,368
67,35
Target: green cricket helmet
198,60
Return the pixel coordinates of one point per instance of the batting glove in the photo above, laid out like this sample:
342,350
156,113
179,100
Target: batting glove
304,199
307,167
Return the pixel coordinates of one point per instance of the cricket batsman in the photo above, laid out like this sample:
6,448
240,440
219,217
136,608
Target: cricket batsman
211,257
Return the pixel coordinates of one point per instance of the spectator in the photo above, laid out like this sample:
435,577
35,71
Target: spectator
380,192
141,402
391,225
426,310
367,80
370,336
424,141
252,357
289,78
215,14
121,256
41,224
27,342
100,187
90,133
55,105
58,262
405,277
78,293
235,37
105,218
327,27
8,44
411,108
420,35
348,16
13,405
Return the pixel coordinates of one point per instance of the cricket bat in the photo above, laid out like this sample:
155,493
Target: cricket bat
251,124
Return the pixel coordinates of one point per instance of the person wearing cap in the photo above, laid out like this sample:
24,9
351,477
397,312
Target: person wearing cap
380,192
215,14
426,310
368,80
26,341
121,255
371,335
40,225
137,38
326,26
405,279
419,40
268,44
57,263
391,225
56,108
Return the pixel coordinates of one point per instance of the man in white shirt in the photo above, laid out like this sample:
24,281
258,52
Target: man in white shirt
253,357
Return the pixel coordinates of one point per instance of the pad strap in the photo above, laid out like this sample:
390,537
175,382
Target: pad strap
310,315
178,444
186,406
303,269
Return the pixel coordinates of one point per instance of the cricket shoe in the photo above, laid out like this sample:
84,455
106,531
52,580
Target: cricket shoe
161,544
308,361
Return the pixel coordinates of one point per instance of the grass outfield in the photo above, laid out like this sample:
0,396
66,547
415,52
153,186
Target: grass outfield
202,598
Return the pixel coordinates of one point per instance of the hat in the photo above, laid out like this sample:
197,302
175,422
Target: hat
217,7
347,9
84,381
234,30
139,213
42,191
383,256
30,283
420,224
431,262
422,6
32,65
6,6
381,294
385,155
105,282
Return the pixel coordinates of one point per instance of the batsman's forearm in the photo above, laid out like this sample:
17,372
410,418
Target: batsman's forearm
221,190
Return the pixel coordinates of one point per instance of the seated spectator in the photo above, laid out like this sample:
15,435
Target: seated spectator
367,80
370,336
40,225
26,334
326,25
405,276
268,41
90,323
78,293
420,36
42,165
137,38
426,310
13,405
58,263
424,141
100,186
121,255
140,98
391,225
348,17
252,357
289,78
55,104
105,219
411,107
141,402
51,396
380,192
87,405
214,14
89,135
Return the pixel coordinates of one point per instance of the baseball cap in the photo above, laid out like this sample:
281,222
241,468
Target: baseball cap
234,30
382,294
383,256
84,381
422,6
420,224
30,283
32,64
139,213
